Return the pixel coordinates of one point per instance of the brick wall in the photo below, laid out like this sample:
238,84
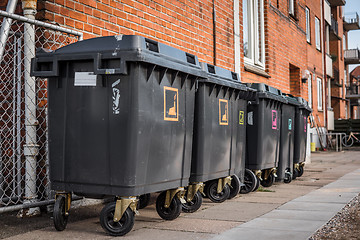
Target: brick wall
187,25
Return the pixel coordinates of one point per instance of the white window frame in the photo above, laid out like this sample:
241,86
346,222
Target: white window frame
319,94
327,38
310,90
308,33
292,7
317,34
256,33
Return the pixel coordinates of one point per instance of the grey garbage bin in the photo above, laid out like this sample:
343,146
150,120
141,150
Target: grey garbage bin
263,133
121,114
287,134
219,133
301,119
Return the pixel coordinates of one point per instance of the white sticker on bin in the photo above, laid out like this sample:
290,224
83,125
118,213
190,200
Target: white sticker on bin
85,79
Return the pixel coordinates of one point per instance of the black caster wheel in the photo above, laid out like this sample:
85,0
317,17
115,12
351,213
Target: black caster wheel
250,181
295,174
194,204
257,185
216,197
288,177
269,181
120,228
170,213
144,200
234,186
59,216
301,171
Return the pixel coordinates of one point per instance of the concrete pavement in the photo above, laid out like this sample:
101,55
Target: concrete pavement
283,211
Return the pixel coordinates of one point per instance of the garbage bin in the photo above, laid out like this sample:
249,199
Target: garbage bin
121,114
263,134
301,119
287,130
218,157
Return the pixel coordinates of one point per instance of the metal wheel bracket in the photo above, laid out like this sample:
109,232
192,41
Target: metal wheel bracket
170,194
222,182
268,172
122,204
297,166
193,189
258,174
302,164
67,201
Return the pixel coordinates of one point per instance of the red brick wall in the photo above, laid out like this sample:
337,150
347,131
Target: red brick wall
285,44
187,25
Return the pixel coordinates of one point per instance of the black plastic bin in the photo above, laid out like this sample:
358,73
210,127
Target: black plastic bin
219,131
301,119
263,133
121,114
287,133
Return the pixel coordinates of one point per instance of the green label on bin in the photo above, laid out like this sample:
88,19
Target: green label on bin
290,123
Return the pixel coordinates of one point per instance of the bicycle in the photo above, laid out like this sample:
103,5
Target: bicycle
348,140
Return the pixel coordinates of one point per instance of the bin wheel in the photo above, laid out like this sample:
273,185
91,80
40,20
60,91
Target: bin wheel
194,204
269,181
249,182
144,200
120,228
257,185
295,174
287,178
301,171
234,186
59,216
170,213
216,197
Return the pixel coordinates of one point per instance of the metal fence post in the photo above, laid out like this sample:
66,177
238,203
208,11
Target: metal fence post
31,148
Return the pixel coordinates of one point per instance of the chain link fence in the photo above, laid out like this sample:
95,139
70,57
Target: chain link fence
14,172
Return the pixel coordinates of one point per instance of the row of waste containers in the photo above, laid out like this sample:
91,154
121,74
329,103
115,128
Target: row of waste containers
129,116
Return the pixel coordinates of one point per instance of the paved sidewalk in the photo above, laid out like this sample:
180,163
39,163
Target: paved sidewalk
301,217
284,211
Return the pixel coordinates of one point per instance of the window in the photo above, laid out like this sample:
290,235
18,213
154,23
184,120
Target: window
292,7
317,33
310,90
327,38
319,94
344,42
254,42
307,12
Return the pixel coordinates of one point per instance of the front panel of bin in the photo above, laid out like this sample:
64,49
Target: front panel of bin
301,117
218,137
120,134
286,140
263,133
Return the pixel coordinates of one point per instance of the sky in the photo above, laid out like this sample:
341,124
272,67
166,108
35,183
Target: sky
354,35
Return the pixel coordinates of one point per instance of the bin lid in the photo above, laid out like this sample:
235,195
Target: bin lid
291,99
124,47
304,104
219,72
267,92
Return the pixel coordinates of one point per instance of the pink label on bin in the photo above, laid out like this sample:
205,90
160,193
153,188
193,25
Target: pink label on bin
305,123
274,119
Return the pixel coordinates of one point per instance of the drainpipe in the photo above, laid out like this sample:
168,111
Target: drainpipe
237,37
5,26
31,149
214,32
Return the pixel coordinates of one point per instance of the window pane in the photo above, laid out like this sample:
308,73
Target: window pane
319,93
260,31
307,24
246,24
310,90
291,7
317,33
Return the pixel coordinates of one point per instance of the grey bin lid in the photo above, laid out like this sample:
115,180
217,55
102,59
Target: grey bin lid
304,104
127,48
265,91
291,99
220,72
